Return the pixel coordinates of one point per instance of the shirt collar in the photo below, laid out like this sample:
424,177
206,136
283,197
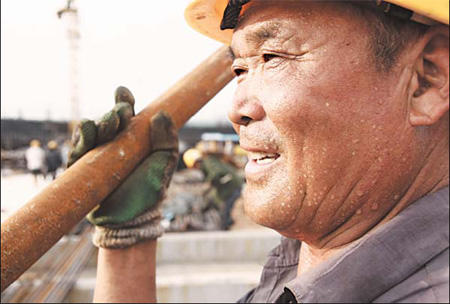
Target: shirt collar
381,259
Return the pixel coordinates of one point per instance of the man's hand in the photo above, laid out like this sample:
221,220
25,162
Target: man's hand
131,214
89,134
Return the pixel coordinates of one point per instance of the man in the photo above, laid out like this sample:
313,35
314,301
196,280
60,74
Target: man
35,157
343,110
52,158
225,182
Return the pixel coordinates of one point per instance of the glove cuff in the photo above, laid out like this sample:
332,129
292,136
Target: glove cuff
145,227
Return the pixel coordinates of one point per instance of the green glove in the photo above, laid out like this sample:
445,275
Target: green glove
131,214
89,134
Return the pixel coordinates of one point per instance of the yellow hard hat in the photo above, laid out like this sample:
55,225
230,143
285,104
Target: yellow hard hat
205,16
191,156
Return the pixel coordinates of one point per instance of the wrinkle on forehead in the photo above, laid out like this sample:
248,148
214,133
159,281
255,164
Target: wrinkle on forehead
268,27
272,20
268,30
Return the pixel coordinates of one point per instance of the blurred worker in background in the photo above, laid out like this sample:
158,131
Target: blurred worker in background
65,149
52,159
226,184
35,157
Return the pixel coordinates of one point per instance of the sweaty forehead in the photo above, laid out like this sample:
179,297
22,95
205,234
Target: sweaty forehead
262,21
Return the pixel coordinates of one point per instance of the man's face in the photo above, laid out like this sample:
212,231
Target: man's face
317,118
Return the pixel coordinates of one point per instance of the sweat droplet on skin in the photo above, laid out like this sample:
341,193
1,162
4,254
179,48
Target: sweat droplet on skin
374,207
359,193
358,212
396,197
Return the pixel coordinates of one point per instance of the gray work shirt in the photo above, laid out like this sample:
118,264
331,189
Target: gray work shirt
404,260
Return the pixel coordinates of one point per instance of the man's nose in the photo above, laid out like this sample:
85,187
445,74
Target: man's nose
245,108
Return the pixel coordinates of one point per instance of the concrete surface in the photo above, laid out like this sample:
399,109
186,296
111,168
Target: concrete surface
200,267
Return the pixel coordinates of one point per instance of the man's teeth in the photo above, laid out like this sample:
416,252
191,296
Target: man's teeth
263,161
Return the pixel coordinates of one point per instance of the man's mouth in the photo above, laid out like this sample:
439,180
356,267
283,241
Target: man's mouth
261,163
263,158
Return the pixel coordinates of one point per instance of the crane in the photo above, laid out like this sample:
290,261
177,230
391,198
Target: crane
70,14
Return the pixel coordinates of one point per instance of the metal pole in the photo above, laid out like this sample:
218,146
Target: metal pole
37,226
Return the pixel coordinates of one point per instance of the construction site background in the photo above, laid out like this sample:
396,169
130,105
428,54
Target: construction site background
57,58
196,263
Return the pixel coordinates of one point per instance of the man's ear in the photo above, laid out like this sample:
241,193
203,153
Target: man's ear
430,100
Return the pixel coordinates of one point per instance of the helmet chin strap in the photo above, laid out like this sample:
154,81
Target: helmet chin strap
231,14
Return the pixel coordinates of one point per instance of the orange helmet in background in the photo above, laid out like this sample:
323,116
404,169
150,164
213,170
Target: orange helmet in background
191,156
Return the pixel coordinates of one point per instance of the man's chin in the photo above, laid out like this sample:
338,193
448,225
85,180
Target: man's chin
266,210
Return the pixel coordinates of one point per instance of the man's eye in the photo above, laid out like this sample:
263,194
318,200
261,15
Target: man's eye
238,72
268,57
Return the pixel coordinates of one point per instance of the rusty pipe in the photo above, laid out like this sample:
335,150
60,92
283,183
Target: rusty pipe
38,225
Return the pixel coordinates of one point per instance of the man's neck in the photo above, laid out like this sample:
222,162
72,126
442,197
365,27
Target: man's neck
311,256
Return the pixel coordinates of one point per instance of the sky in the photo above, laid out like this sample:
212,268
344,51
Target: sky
145,45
